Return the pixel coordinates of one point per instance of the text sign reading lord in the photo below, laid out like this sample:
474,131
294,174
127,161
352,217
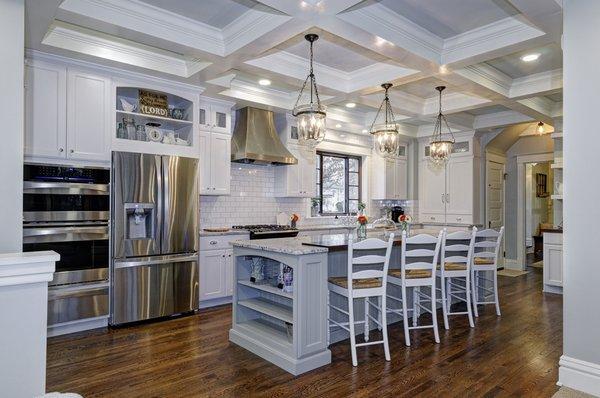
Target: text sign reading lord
152,103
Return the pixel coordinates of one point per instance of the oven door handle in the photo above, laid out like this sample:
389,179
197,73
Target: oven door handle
65,188
64,234
149,261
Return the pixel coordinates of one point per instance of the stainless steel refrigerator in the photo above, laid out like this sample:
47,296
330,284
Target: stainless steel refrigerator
154,231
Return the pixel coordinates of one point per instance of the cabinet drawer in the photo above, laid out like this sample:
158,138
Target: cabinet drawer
459,219
431,217
219,242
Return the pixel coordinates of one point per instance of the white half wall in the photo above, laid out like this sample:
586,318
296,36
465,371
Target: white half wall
580,364
12,15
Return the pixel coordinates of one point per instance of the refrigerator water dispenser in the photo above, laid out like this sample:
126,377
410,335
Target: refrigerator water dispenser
139,220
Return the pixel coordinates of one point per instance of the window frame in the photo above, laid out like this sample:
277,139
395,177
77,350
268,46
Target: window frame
320,155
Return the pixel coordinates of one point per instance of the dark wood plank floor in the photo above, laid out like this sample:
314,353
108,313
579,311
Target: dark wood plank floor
512,355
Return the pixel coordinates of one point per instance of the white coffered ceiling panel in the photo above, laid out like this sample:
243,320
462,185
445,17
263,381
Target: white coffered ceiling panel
512,65
332,55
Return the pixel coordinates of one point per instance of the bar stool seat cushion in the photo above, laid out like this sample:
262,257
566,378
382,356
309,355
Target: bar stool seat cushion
410,273
367,283
483,261
454,266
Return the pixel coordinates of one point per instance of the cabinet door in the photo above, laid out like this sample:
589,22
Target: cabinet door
213,274
229,283
204,116
308,173
88,131
390,178
204,173
220,159
221,119
432,188
553,265
401,177
459,198
45,110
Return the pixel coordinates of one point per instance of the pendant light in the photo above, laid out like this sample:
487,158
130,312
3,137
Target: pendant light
311,116
385,134
439,147
540,128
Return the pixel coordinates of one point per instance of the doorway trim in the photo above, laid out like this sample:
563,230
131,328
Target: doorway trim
500,159
521,161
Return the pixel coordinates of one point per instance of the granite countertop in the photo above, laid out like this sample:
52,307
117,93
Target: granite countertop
323,227
294,246
339,242
230,232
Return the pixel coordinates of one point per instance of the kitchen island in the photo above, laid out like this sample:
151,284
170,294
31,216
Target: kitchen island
289,329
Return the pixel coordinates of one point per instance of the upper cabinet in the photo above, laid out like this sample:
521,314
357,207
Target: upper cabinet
297,180
215,163
389,176
66,113
214,116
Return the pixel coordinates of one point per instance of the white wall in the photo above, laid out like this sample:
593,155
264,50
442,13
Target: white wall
580,364
11,113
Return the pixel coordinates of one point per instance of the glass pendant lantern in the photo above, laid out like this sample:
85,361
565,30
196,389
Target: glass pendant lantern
311,116
440,147
385,134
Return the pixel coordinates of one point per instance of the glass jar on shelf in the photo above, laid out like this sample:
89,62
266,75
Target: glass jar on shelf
140,133
129,127
121,131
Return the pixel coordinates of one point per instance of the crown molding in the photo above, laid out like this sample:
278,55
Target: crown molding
539,104
249,26
499,119
385,23
487,76
89,42
499,34
295,66
537,84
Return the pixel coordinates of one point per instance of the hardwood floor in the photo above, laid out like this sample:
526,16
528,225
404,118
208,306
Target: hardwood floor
513,355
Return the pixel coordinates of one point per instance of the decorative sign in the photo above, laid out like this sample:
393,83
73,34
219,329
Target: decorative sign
153,103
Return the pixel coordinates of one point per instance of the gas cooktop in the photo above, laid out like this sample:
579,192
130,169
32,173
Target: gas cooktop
264,231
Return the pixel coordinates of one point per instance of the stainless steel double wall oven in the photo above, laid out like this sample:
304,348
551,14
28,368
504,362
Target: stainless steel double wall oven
66,209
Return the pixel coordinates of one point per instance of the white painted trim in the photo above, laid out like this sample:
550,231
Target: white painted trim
502,33
215,302
248,27
498,119
521,161
537,83
579,375
25,268
488,77
97,44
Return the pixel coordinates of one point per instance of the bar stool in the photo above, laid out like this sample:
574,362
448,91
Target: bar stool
417,269
365,283
485,259
454,269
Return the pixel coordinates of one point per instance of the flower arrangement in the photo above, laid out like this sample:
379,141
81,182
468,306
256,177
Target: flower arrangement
361,231
362,220
294,219
361,207
404,221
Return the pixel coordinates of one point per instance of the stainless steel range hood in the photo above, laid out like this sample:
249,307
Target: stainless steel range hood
255,139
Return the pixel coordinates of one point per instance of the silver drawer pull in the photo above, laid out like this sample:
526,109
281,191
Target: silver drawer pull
213,242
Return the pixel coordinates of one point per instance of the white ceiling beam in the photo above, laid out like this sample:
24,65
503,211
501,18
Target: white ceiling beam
537,84
500,119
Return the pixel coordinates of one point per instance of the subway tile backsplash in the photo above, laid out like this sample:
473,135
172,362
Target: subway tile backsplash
251,201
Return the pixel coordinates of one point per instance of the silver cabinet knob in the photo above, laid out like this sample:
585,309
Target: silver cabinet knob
213,242
60,150
71,150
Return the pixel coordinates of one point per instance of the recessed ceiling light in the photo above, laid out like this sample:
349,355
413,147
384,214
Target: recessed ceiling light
365,131
264,82
338,126
530,57
342,135
350,105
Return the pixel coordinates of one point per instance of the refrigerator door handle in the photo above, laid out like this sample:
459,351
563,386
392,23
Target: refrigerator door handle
166,213
180,258
159,201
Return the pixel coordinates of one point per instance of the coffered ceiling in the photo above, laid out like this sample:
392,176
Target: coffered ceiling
474,47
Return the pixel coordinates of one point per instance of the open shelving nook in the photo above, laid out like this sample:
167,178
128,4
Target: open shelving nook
173,131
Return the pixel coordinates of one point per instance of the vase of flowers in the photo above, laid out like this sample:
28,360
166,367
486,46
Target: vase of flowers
294,219
404,221
361,231
361,208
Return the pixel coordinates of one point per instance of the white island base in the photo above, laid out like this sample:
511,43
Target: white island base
286,329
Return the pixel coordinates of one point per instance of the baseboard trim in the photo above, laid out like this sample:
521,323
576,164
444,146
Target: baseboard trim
579,375
77,326
512,264
215,302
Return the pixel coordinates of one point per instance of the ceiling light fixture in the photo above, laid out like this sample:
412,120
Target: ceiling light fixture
311,116
365,131
530,57
350,105
264,82
338,126
440,147
386,133
540,128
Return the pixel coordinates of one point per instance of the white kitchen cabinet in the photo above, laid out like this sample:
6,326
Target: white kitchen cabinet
213,274
229,273
448,193
215,116
390,178
297,180
45,110
553,262
67,114
88,122
215,163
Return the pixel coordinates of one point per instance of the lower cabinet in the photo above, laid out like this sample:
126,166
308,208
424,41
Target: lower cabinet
216,266
553,262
